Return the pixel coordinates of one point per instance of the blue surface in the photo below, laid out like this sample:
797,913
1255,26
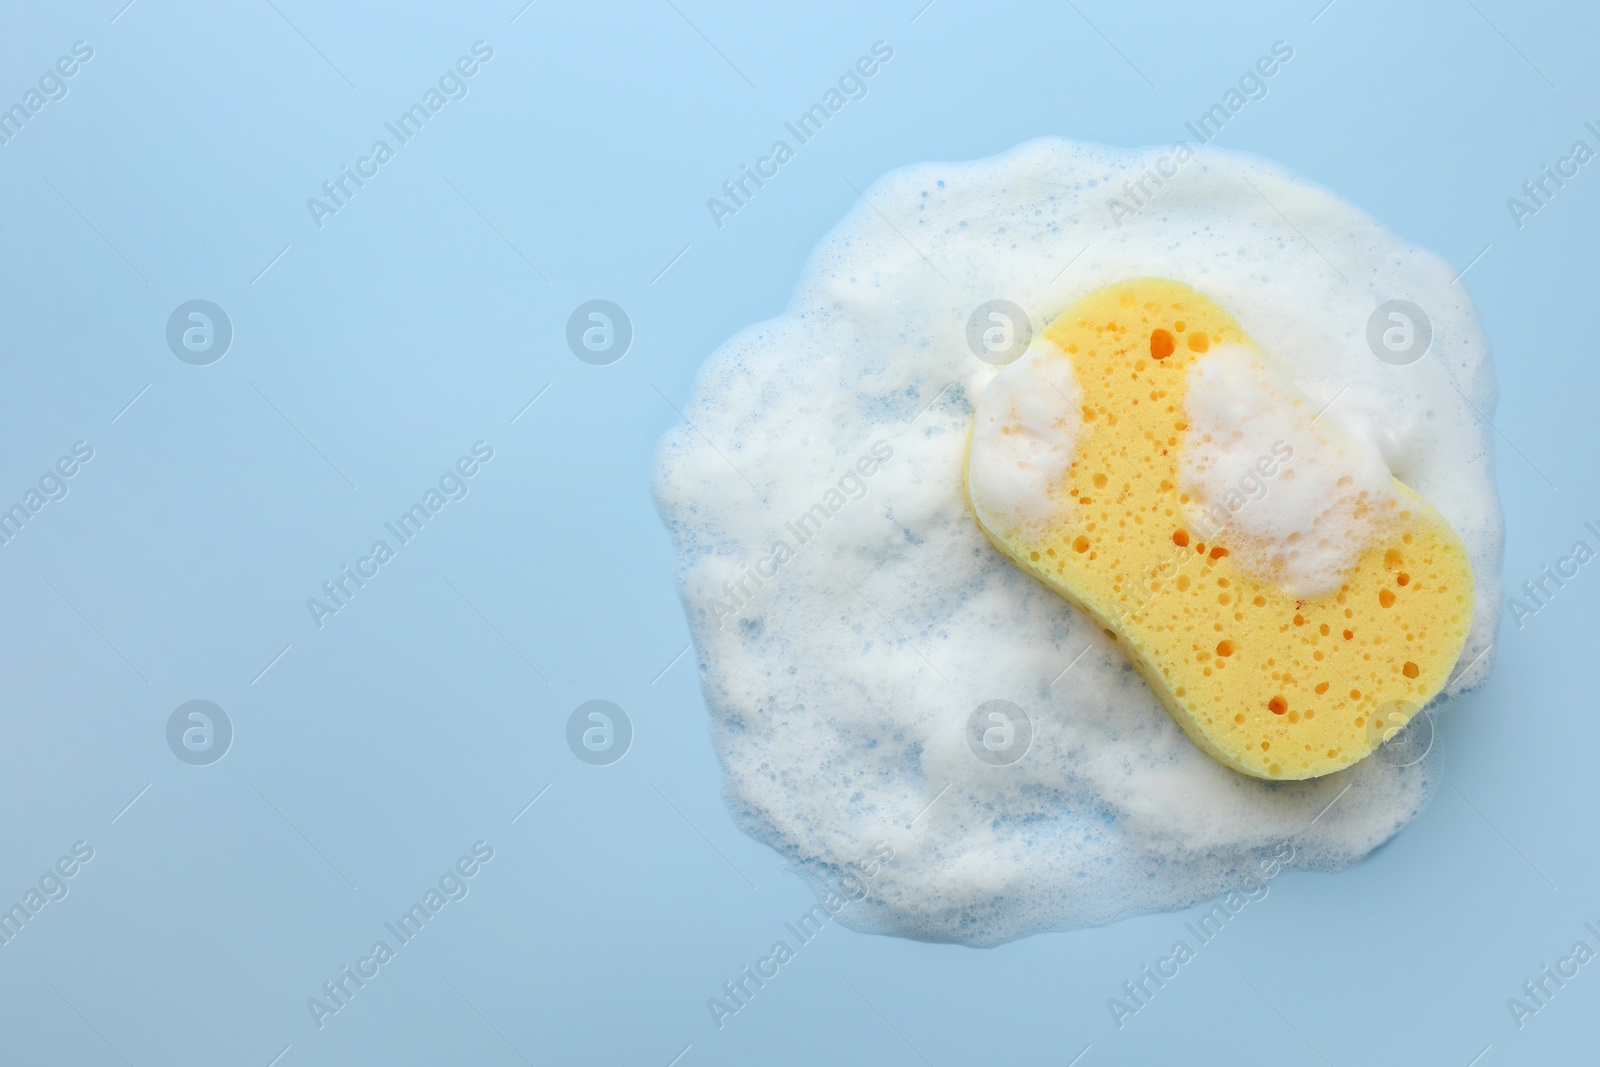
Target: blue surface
424,716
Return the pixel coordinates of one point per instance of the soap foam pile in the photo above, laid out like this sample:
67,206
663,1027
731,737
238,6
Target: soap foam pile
1329,501
850,616
1023,445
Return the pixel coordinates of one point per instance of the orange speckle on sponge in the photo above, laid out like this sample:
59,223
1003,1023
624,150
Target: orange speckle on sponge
1161,344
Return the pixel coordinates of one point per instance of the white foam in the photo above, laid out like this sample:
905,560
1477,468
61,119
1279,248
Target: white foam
1023,439
840,688
1299,498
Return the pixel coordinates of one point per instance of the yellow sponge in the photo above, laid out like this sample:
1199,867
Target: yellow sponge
1270,684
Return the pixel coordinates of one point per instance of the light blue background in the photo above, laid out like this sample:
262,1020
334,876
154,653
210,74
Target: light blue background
376,750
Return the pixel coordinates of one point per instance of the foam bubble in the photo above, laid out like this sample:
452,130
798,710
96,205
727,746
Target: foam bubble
1329,494
844,657
1023,438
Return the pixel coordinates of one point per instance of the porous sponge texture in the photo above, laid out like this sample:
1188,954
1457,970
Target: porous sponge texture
1270,684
